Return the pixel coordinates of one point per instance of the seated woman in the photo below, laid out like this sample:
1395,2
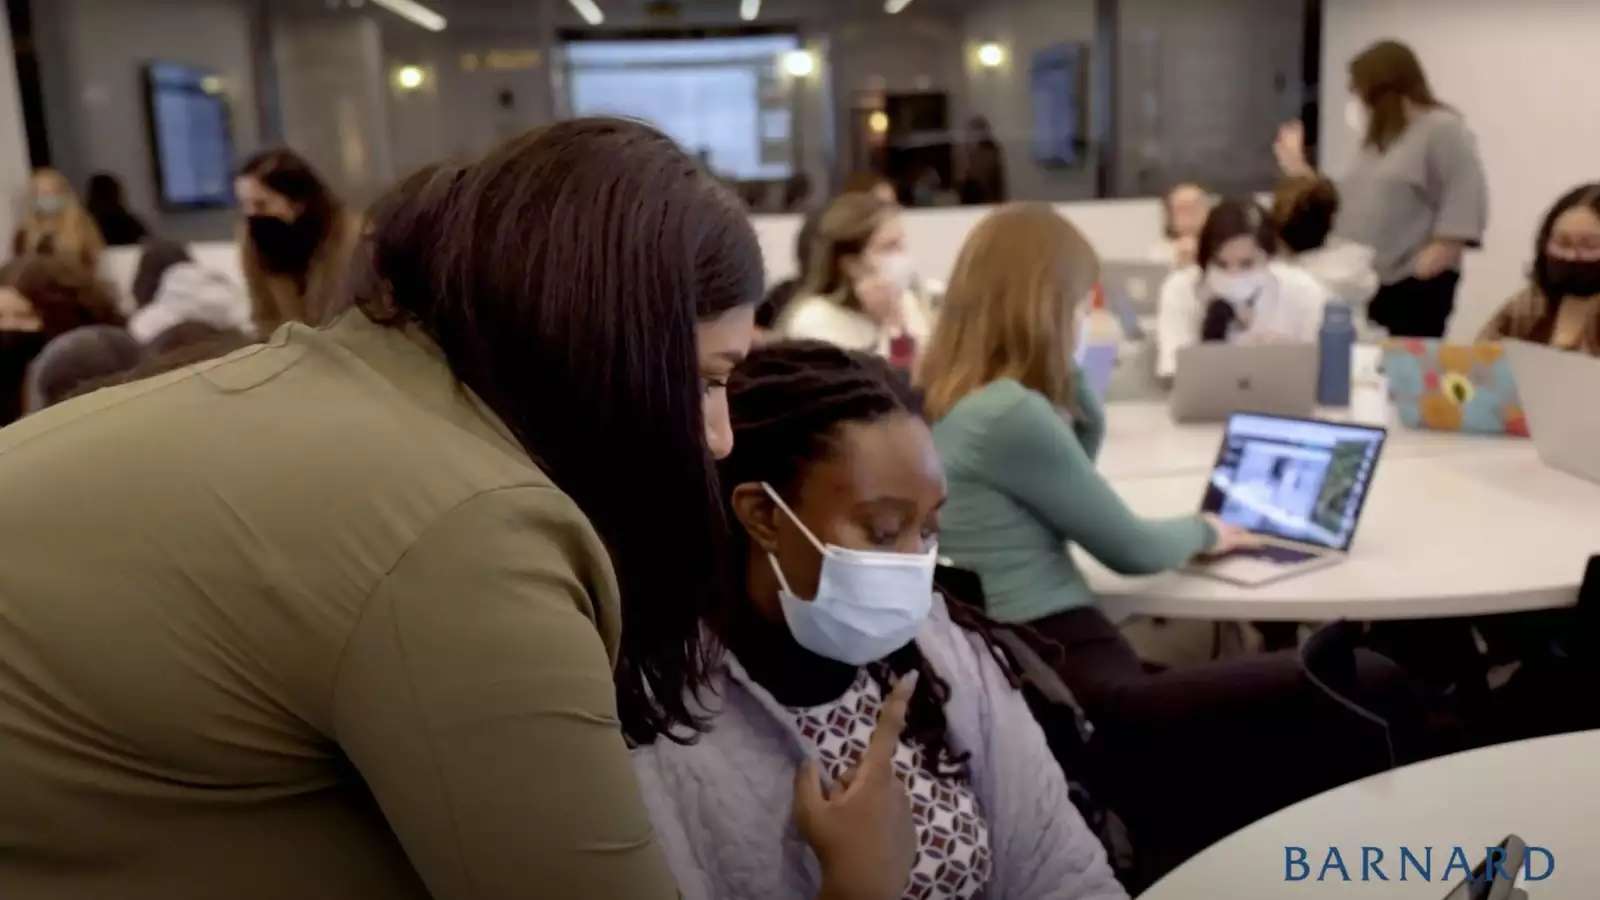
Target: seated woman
1561,304
1237,292
56,224
41,299
835,488
858,292
1183,213
1187,755
1303,208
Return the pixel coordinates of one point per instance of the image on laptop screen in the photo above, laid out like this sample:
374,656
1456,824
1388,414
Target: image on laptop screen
1293,478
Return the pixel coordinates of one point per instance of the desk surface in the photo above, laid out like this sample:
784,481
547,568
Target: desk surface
1545,791
1449,530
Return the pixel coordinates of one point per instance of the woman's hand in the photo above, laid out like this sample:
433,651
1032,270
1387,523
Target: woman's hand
880,298
1290,149
1437,258
861,828
1229,537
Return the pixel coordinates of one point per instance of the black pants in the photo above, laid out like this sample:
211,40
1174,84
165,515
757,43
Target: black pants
1416,308
1187,756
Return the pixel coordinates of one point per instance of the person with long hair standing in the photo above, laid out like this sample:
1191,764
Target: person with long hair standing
295,241
1415,193
337,614
832,631
1019,434
56,224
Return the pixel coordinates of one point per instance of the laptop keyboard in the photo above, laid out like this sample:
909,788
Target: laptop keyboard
1275,553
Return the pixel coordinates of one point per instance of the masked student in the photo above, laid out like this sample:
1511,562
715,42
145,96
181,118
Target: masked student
295,241
834,489
56,224
860,292
1236,292
1560,306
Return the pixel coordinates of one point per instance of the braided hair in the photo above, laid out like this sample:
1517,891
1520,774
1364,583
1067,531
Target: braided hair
788,402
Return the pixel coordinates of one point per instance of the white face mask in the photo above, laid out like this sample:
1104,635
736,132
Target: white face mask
894,268
868,605
1356,115
49,204
1239,287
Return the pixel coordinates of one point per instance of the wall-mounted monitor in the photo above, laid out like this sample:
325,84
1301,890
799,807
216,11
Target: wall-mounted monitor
191,135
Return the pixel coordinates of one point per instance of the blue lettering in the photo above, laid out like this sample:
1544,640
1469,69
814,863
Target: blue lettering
1424,868
1494,866
1295,857
1458,857
1527,864
1370,857
1334,861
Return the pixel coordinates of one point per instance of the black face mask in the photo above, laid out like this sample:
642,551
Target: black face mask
284,247
1571,278
17,349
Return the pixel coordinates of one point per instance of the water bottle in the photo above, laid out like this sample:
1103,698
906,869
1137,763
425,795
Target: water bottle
1337,337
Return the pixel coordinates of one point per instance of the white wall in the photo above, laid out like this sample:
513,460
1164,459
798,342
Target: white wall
332,91
13,142
1523,75
1002,94
93,53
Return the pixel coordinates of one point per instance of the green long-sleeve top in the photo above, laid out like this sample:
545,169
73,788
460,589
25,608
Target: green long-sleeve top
1023,488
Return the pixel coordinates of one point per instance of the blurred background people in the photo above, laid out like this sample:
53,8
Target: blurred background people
858,293
1238,291
983,165
869,182
77,360
42,298
295,242
1416,193
1560,306
105,201
1183,214
56,224
1303,209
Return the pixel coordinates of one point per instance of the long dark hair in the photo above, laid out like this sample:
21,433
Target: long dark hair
788,401
1384,76
1237,217
1303,208
562,275
287,173
1583,195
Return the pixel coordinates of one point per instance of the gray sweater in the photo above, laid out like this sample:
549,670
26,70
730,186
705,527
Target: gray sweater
722,808
1428,184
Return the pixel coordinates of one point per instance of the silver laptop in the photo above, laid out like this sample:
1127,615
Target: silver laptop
1558,391
1217,380
1133,285
1299,484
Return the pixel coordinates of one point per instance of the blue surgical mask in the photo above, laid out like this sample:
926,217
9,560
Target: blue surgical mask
868,604
49,204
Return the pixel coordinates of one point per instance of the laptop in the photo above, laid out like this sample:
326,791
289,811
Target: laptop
1133,285
1560,388
1299,484
1217,380
1454,387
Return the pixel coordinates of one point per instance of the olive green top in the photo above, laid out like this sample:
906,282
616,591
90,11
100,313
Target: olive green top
236,598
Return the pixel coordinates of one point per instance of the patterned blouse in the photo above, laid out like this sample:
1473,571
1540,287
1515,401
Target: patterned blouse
953,861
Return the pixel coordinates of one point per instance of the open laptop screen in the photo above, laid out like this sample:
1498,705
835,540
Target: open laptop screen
1294,478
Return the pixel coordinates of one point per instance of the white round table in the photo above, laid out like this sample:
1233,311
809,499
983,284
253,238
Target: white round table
1546,791
1454,525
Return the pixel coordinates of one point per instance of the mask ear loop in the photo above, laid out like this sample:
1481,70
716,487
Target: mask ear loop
794,518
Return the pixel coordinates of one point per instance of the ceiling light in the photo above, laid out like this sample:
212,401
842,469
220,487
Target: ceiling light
749,9
409,78
415,13
990,54
590,12
878,122
893,6
799,63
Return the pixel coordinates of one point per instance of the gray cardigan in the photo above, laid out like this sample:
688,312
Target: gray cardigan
722,807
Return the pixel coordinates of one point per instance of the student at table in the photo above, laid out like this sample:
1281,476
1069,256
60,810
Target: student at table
1183,213
1190,753
835,490
1238,292
1560,306
1304,209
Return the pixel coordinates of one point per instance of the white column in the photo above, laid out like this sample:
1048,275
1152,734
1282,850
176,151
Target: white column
13,141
